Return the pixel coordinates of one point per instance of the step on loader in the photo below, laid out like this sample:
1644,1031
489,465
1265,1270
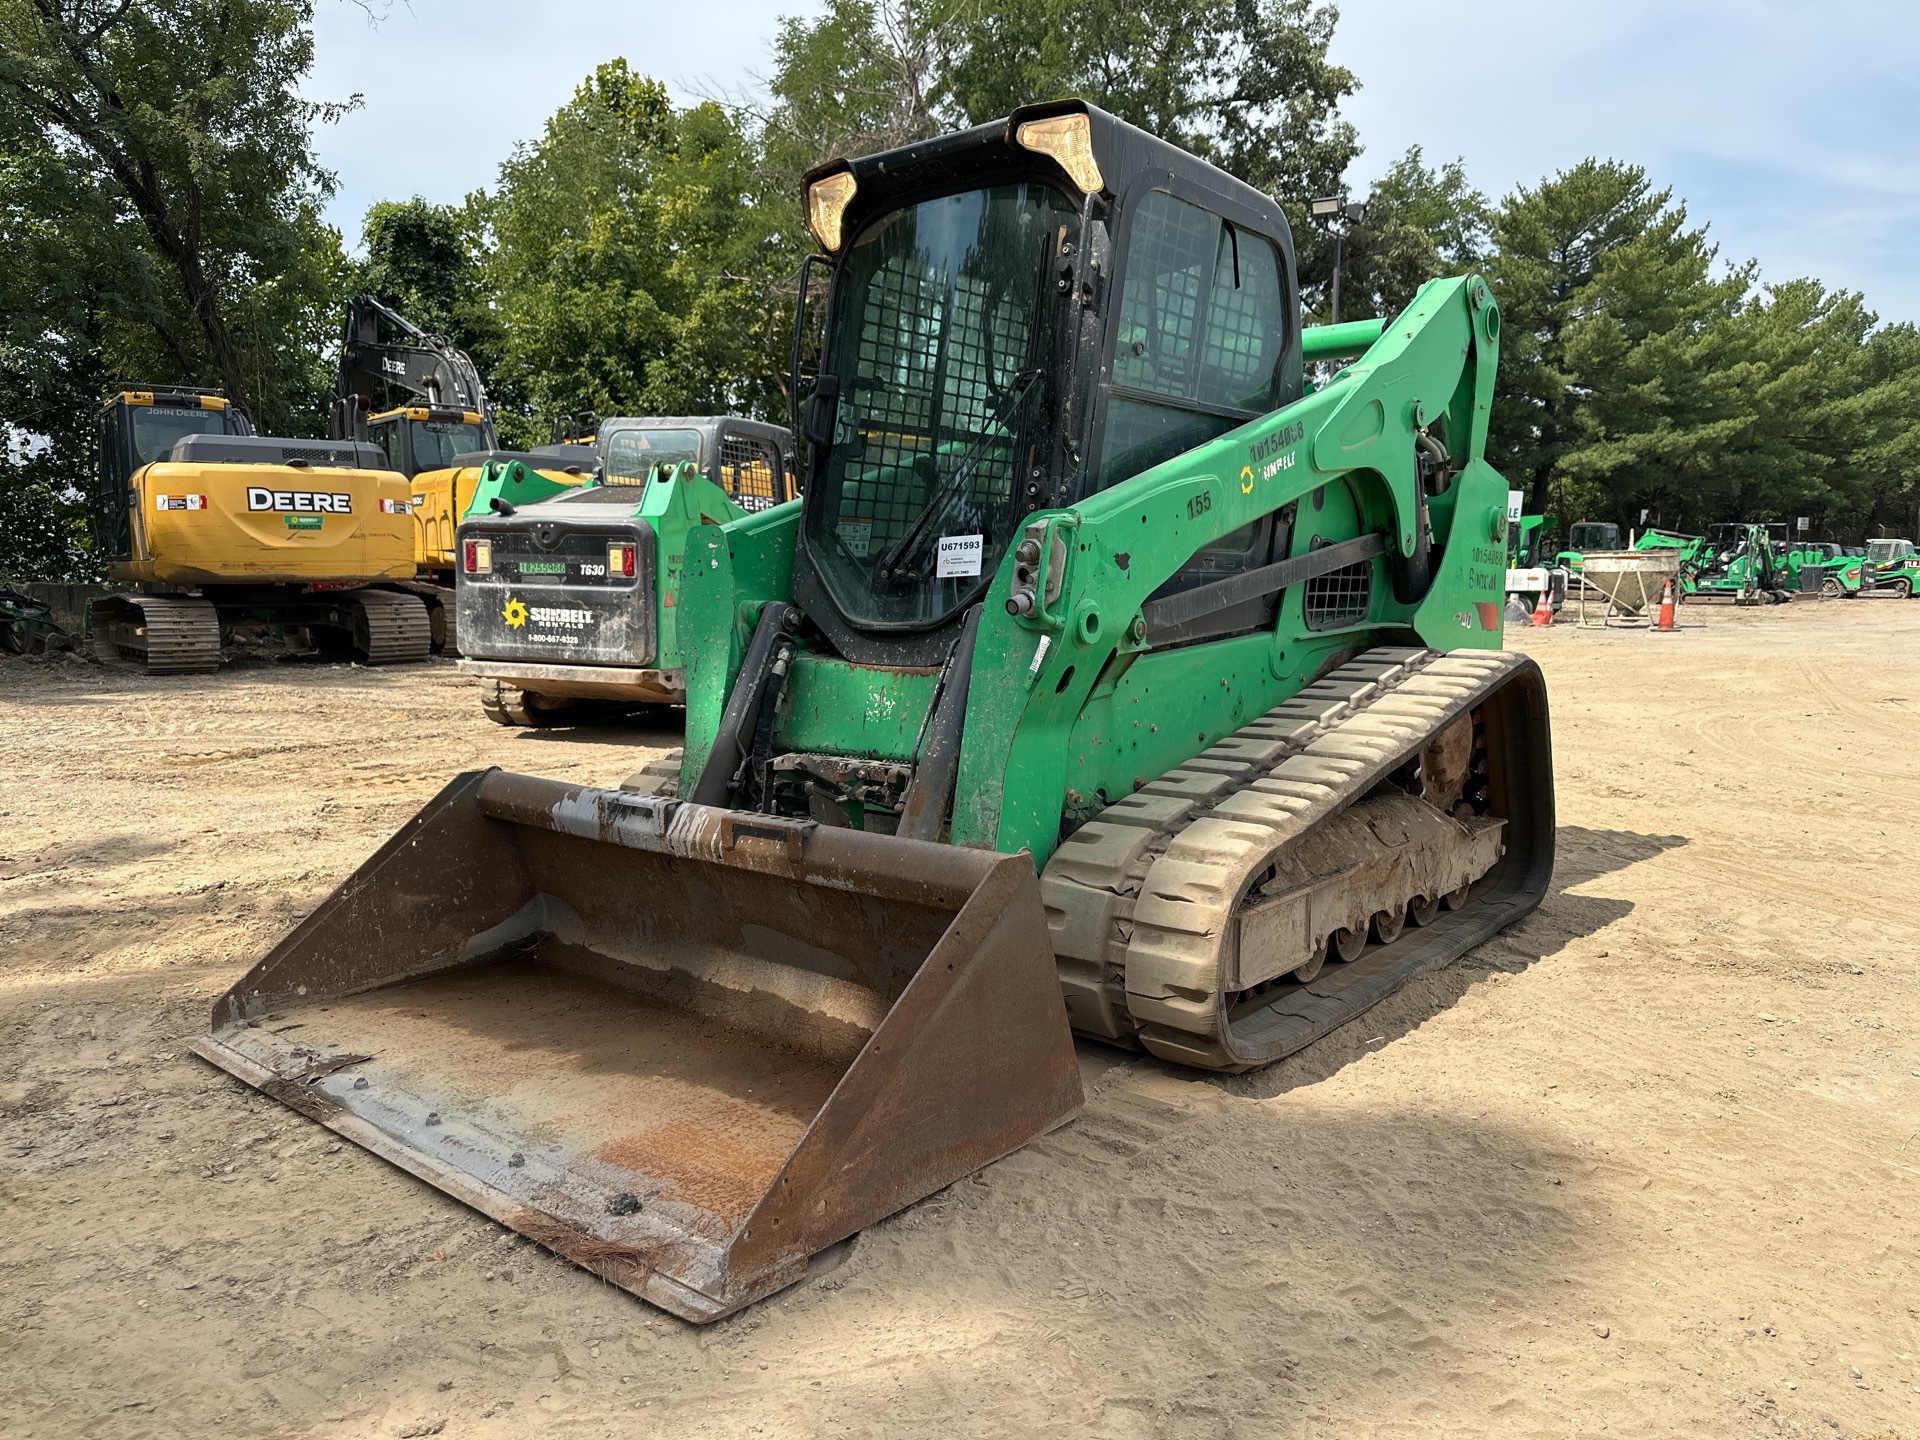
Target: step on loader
1109,678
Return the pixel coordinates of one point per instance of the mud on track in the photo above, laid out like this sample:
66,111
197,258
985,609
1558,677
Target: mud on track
1647,1164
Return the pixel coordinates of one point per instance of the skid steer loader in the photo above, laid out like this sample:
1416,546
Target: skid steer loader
568,607
1107,678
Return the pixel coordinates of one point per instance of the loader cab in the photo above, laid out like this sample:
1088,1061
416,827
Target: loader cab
1593,535
1889,552
1021,315
746,458
139,427
421,438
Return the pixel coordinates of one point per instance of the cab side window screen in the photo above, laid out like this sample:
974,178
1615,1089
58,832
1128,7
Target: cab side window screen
1201,329
750,471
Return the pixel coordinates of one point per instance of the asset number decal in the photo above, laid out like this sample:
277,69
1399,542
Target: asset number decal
959,556
1200,504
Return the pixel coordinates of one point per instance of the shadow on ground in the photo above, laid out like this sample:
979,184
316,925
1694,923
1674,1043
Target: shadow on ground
1581,856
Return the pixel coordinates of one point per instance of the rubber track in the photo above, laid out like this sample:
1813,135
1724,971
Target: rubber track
1141,900
397,626
182,634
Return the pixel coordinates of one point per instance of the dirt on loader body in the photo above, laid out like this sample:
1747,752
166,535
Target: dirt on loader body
1644,1164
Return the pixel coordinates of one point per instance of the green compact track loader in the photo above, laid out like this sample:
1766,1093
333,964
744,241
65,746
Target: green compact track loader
1744,562
1108,678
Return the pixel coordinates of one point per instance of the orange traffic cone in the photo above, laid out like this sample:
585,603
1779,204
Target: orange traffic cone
1666,610
1543,612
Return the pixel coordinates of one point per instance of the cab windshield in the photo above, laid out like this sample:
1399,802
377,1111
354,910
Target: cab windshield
156,428
436,442
940,339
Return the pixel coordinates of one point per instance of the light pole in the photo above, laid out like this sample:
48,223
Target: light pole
1325,212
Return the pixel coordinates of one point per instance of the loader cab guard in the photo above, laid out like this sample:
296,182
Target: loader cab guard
1087,301
746,458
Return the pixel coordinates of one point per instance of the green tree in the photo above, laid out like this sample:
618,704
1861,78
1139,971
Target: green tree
632,259
1602,288
1246,84
1880,479
57,237
1827,410
858,78
186,119
429,262
1421,222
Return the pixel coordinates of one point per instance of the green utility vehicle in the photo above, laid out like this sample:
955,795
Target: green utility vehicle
567,602
1890,567
1106,679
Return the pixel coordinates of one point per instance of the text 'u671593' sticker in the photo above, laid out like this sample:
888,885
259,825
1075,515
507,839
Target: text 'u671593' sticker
959,556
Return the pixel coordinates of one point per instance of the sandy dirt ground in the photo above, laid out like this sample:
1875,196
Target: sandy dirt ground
1645,1165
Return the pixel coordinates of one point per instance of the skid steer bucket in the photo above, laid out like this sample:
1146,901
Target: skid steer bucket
686,1048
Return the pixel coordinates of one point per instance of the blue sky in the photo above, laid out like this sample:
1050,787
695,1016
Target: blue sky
1790,128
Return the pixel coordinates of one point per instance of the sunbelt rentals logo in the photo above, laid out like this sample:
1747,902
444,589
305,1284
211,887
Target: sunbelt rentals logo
515,614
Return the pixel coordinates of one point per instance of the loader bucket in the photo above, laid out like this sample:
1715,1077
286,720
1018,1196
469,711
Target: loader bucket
686,1048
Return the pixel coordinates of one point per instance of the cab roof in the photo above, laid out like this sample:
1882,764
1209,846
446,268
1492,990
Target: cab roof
1127,157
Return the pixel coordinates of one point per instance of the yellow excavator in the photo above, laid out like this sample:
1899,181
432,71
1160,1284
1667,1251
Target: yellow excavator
441,436
211,525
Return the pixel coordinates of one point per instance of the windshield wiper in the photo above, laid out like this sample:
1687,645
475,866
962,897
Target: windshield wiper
890,563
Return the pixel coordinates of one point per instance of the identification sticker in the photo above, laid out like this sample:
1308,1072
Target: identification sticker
396,507
959,556
179,502
303,522
857,536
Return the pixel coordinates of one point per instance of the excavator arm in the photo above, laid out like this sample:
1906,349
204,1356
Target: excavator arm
382,351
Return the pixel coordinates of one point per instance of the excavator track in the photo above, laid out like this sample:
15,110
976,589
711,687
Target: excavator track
159,634
390,627
1252,900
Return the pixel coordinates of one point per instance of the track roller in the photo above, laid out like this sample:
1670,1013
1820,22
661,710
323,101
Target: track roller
509,705
160,634
390,627
1195,917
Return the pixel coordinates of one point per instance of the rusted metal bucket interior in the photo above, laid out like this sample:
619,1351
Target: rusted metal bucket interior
687,1049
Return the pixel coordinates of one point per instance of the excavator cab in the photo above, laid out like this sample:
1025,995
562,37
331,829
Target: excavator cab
418,438
1104,678
138,426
